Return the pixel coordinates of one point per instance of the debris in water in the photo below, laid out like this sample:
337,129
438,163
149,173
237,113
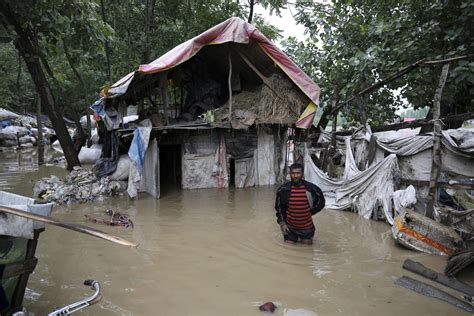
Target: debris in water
81,185
116,219
268,307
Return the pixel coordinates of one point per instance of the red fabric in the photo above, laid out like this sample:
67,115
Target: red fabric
232,30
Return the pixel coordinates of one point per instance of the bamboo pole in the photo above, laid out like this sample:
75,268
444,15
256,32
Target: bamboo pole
436,163
75,227
413,124
229,82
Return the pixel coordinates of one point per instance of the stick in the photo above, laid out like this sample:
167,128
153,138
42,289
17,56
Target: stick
76,227
265,80
230,87
420,269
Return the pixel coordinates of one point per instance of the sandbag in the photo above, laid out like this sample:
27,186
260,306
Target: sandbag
5,114
27,140
15,130
89,155
123,168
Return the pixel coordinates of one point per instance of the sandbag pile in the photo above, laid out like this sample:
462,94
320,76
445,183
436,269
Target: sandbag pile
80,186
20,131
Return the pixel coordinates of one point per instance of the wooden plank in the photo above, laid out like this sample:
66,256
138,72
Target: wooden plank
230,86
452,283
265,80
75,227
431,291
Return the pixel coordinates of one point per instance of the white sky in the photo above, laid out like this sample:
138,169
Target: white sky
286,22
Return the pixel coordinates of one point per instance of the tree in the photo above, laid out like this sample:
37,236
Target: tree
355,43
39,30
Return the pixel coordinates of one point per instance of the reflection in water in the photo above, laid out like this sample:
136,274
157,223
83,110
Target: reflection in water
218,252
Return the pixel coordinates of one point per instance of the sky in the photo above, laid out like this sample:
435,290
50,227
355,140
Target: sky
286,22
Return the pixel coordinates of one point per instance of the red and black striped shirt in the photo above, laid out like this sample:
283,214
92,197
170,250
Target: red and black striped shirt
298,215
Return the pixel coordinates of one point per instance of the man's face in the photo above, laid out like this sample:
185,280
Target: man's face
296,175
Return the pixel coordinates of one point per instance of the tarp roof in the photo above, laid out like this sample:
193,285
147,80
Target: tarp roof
233,30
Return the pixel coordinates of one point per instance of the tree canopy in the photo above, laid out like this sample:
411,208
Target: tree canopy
86,44
354,43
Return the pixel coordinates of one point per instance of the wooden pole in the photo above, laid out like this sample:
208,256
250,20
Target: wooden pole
229,82
265,80
414,124
165,95
39,141
436,163
76,227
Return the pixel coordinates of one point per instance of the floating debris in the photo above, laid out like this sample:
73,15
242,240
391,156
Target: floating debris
418,232
116,219
81,185
268,307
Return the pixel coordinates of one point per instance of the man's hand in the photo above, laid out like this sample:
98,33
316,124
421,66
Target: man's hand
284,228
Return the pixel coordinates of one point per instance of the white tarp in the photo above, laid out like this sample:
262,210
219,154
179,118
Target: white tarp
364,191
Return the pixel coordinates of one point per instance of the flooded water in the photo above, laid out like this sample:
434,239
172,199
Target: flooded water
219,252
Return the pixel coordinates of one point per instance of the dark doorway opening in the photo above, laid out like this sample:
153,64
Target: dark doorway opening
170,167
232,173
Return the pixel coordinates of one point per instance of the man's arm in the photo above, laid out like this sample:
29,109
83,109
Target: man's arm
279,215
319,202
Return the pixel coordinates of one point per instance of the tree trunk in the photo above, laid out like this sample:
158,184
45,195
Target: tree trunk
107,47
436,164
27,45
18,83
251,5
149,12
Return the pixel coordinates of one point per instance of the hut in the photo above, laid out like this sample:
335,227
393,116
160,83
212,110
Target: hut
220,105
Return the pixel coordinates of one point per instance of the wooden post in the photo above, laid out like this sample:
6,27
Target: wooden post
436,163
165,95
229,81
39,140
327,162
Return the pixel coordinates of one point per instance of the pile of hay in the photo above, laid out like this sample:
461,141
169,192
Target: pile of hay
283,107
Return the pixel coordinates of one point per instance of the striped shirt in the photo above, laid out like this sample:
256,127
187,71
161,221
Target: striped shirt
298,215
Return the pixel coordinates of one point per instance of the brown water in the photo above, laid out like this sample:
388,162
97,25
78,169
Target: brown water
219,252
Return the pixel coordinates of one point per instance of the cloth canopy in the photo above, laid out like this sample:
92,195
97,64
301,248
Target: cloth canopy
232,30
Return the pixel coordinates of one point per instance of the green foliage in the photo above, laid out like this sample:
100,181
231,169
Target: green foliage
78,27
354,43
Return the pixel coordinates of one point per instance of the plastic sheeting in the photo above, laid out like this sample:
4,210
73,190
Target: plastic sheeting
137,153
197,171
364,191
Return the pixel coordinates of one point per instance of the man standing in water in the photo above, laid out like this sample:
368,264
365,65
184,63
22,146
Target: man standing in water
296,201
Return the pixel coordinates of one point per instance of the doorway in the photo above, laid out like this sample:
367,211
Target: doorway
170,167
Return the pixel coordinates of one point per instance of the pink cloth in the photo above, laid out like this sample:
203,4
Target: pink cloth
232,30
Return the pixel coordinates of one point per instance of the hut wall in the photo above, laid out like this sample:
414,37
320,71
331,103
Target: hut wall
265,157
199,161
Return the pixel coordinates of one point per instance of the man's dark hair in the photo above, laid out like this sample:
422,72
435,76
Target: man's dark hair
297,165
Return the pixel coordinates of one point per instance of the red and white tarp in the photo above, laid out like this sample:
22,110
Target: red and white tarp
232,30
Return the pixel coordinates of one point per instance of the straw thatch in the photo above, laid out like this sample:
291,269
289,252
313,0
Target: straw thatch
283,107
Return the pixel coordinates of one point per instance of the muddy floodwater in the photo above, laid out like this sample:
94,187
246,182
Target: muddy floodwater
217,252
